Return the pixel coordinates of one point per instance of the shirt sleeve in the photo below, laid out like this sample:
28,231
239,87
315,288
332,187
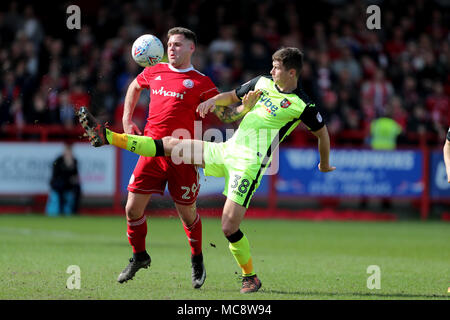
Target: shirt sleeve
142,78
448,134
312,118
243,89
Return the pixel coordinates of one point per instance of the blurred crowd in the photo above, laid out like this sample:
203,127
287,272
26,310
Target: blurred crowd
355,74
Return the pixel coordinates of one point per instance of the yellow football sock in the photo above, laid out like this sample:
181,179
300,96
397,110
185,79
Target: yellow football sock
241,252
142,145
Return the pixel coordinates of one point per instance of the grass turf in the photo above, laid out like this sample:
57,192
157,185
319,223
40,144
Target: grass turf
294,259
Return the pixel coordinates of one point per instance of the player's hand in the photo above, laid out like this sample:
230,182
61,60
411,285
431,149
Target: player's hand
205,107
250,99
129,127
325,168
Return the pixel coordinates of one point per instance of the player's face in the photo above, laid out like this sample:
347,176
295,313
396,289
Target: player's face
279,74
179,51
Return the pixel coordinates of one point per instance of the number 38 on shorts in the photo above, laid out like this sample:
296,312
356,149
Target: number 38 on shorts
240,188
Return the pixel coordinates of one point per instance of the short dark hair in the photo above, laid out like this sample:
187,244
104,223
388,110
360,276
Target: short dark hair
188,34
292,58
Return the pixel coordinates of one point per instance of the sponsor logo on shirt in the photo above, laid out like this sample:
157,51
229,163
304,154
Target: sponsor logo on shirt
166,93
270,106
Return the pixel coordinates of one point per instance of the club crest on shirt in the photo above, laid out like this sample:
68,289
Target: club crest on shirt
188,83
285,103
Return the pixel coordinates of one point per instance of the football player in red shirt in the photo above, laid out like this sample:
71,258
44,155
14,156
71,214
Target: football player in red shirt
176,89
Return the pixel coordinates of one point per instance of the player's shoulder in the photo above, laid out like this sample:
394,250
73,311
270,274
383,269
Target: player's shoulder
156,68
263,77
300,92
199,75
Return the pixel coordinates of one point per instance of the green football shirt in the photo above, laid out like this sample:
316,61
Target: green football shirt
244,158
275,115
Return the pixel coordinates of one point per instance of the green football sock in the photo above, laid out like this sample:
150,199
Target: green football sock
241,252
142,145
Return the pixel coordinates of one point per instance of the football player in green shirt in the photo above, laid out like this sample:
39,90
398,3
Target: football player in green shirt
272,106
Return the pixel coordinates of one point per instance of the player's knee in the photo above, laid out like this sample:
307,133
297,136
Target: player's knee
169,143
133,212
229,228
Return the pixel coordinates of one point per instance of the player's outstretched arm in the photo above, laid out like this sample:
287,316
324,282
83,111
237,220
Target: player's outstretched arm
222,99
131,99
447,158
230,114
324,149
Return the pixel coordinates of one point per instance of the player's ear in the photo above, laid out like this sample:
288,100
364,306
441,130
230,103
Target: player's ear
292,73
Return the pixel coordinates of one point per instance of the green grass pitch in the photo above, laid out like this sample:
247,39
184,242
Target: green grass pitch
294,259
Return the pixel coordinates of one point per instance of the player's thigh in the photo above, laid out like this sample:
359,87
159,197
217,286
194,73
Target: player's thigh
183,183
214,159
240,186
149,176
188,151
136,204
232,216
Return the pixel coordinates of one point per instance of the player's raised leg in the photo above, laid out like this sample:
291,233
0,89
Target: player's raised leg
192,225
187,150
232,216
136,232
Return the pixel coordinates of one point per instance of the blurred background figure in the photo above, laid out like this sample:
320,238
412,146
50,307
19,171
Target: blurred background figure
384,132
65,189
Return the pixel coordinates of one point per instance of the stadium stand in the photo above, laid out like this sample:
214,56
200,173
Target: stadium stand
355,74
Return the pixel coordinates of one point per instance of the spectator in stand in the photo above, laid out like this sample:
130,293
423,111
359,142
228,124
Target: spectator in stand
419,121
217,67
408,55
79,97
396,45
348,62
376,94
10,92
438,104
397,112
66,110
325,74
409,94
40,113
225,43
332,113
384,132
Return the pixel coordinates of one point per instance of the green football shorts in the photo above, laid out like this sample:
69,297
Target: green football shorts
242,172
